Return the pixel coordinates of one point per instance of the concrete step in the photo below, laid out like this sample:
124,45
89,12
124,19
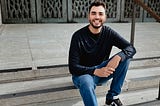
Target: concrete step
61,88
145,97
42,72
149,103
45,72
133,75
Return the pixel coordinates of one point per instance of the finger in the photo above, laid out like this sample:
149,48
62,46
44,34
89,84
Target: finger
111,69
107,73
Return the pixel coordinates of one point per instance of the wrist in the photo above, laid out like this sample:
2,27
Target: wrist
117,57
95,71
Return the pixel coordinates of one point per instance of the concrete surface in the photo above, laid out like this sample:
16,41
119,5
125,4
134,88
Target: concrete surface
132,75
33,45
134,98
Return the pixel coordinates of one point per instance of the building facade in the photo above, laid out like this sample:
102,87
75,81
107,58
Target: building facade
67,11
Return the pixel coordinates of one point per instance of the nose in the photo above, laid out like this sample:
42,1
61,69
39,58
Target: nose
97,16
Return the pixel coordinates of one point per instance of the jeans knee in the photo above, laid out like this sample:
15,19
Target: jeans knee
125,62
87,82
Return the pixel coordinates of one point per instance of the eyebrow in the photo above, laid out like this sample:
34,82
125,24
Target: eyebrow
95,12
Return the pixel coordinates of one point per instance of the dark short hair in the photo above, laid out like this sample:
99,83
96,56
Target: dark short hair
97,3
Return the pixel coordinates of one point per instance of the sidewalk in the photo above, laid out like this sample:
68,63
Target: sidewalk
34,45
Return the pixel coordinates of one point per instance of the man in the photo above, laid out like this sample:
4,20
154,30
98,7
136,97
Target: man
89,61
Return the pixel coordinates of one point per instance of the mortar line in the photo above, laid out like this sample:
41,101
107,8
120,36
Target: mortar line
34,67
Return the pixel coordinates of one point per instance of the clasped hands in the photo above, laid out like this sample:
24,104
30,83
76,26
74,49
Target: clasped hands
109,68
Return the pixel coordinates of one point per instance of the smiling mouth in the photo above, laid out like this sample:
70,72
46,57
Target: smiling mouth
97,22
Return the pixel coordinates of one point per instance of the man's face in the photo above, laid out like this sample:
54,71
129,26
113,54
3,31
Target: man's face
97,16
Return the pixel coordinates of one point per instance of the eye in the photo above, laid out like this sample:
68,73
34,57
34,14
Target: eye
93,13
101,13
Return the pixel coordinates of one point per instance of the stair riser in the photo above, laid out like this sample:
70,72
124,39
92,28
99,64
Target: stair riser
129,85
62,71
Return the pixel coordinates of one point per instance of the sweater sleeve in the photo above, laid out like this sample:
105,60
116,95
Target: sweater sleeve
127,50
75,67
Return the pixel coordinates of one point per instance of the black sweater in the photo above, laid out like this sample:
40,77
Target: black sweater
86,52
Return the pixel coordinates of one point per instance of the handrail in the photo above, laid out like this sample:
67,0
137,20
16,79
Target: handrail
148,9
159,92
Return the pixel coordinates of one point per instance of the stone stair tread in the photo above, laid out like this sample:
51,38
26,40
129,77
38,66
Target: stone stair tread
46,72
61,88
145,72
49,99
53,84
33,85
145,97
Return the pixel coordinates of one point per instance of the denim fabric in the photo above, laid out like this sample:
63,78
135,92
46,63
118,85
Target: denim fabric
87,83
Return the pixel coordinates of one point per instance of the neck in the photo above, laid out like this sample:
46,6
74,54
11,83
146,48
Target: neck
94,30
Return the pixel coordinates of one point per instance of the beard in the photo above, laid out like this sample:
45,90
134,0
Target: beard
96,26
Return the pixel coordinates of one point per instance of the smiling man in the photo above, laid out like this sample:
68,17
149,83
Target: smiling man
89,61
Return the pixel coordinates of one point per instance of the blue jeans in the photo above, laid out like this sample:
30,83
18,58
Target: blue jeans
87,83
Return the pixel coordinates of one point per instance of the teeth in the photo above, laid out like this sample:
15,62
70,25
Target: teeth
96,21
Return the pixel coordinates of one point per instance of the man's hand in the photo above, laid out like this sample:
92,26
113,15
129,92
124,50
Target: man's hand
104,71
110,67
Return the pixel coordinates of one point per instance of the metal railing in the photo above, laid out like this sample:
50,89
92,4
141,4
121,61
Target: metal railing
145,7
148,9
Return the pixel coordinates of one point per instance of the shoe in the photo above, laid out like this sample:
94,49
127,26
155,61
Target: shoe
114,102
